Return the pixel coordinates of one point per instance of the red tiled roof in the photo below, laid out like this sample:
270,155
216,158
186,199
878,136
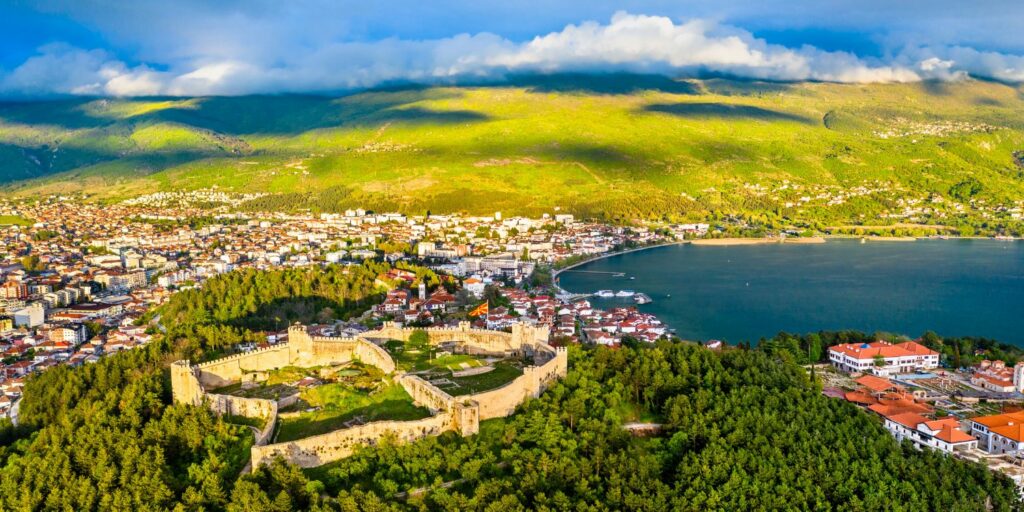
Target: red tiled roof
884,349
877,384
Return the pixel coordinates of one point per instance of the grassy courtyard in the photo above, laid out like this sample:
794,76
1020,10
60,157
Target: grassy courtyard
337,403
502,374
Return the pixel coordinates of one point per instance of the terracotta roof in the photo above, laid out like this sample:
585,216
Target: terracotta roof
1014,431
908,419
884,349
954,435
860,398
1000,423
877,384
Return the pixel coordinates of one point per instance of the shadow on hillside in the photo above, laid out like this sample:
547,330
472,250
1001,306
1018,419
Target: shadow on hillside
39,163
293,115
257,115
724,111
600,83
724,86
307,309
66,114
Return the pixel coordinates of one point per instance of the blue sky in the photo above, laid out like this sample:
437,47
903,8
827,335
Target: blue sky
186,47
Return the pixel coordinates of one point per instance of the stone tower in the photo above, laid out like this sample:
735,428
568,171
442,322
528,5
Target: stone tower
299,340
185,386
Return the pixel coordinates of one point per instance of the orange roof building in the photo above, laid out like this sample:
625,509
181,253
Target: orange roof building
943,434
1000,433
883,358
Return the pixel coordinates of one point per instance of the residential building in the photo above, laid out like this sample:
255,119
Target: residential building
1000,433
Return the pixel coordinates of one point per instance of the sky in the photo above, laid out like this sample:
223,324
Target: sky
234,47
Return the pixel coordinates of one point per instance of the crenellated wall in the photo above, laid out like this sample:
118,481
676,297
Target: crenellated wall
462,414
475,341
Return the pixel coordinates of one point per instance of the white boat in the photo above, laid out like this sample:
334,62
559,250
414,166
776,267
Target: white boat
642,298
625,293
605,293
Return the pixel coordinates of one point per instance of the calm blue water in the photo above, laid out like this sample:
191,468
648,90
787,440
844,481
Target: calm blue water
743,293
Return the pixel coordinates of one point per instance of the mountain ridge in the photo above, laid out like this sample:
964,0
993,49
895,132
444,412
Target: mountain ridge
618,146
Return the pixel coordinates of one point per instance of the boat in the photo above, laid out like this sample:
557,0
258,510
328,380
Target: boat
604,293
642,298
625,293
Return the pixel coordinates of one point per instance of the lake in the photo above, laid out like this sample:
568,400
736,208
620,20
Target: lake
744,293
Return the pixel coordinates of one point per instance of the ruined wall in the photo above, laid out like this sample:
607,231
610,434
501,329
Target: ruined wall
318,450
426,394
241,406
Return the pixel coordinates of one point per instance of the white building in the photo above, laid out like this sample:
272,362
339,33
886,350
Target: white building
883,358
32,316
944,435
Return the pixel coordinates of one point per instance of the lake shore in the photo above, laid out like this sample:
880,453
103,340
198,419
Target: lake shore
758,241
837,285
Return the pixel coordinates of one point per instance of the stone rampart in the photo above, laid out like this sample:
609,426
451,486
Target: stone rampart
501,402
426,394
316,450
474,341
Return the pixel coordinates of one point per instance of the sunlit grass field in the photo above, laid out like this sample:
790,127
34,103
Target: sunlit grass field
620,145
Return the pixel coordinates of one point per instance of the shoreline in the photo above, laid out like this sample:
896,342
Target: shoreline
739,241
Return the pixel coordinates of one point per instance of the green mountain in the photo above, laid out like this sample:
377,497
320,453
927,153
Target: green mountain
615,146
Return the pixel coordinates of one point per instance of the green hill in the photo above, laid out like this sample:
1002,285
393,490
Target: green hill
614,146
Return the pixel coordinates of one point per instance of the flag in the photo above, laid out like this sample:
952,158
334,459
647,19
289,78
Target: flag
480,310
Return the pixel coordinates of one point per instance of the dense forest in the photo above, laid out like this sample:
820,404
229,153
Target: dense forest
743,429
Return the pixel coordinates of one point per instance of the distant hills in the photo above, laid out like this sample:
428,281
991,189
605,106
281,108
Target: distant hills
623,146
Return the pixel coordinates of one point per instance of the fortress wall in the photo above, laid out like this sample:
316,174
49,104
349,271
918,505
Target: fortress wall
477,341
187,389
426,394
241,406
318,450
501,402
229,370
371,354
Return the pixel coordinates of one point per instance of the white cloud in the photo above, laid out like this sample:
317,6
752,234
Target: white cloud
650,44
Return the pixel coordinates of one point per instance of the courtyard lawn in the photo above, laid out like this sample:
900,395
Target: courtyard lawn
501,374
340,403
456,362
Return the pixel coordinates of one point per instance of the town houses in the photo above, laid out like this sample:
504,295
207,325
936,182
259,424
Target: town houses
883,358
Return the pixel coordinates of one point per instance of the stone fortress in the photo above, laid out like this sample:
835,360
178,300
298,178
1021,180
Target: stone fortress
461,414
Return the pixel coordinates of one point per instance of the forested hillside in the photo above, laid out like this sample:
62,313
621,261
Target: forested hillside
614,146
744,429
